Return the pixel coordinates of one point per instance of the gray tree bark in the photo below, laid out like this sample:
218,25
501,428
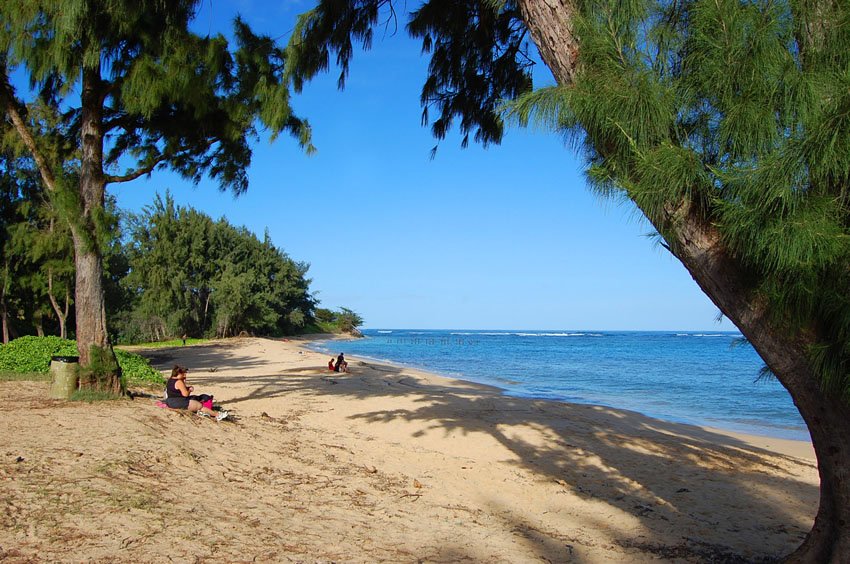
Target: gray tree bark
99,368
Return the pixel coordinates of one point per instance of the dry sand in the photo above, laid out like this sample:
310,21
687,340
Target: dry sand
382,464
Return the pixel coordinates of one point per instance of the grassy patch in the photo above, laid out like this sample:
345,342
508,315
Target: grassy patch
91,396
24,377
327,327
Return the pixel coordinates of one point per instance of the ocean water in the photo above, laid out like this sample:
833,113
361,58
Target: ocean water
703,378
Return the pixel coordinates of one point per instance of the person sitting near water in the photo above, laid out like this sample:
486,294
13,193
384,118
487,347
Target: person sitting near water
177,396
341,365
331,365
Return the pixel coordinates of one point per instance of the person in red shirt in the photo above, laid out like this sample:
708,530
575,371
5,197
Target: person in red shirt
341,365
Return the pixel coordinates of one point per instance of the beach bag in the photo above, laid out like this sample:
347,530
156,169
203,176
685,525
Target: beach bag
206,400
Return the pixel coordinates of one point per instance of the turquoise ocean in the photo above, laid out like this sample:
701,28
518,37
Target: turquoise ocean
703,378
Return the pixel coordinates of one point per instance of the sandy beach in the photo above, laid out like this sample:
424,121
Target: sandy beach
381,464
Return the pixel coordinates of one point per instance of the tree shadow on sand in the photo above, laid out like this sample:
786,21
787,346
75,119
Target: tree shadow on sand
205,357
597,453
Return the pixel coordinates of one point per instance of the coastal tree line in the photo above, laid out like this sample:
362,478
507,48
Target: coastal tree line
725,122
169,271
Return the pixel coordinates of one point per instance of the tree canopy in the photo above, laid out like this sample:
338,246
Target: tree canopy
170,271
479,56
192,275
117,90
166,97
717,104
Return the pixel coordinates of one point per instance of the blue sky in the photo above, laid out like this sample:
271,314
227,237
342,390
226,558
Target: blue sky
507,237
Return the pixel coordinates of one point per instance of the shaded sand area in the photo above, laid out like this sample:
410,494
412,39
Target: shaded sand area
383,464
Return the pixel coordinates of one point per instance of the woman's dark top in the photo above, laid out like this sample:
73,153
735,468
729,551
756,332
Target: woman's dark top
171,390
173,398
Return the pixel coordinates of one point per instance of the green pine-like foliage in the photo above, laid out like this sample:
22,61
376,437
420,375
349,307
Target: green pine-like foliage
191,275
479,55
171,98
741,109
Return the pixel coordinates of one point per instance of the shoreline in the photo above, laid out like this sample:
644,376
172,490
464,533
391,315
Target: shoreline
781,445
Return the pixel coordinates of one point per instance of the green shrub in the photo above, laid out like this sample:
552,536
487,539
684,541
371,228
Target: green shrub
328,321
137,369
32,354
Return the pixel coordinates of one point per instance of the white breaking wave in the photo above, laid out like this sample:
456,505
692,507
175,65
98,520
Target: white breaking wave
513,334
709,335
558,334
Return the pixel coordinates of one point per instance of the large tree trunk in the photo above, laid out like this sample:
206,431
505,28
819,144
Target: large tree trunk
698,245
98,366
550,24
829,425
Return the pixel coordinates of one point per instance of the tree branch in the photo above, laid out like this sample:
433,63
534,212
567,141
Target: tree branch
136,173
11,106
51,297
124,121
147,169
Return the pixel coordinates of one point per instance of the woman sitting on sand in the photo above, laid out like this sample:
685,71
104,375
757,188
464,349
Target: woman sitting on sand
177,396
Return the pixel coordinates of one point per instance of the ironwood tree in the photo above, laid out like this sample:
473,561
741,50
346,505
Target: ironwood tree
37,272
16,194
117,90
194,276
726,122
